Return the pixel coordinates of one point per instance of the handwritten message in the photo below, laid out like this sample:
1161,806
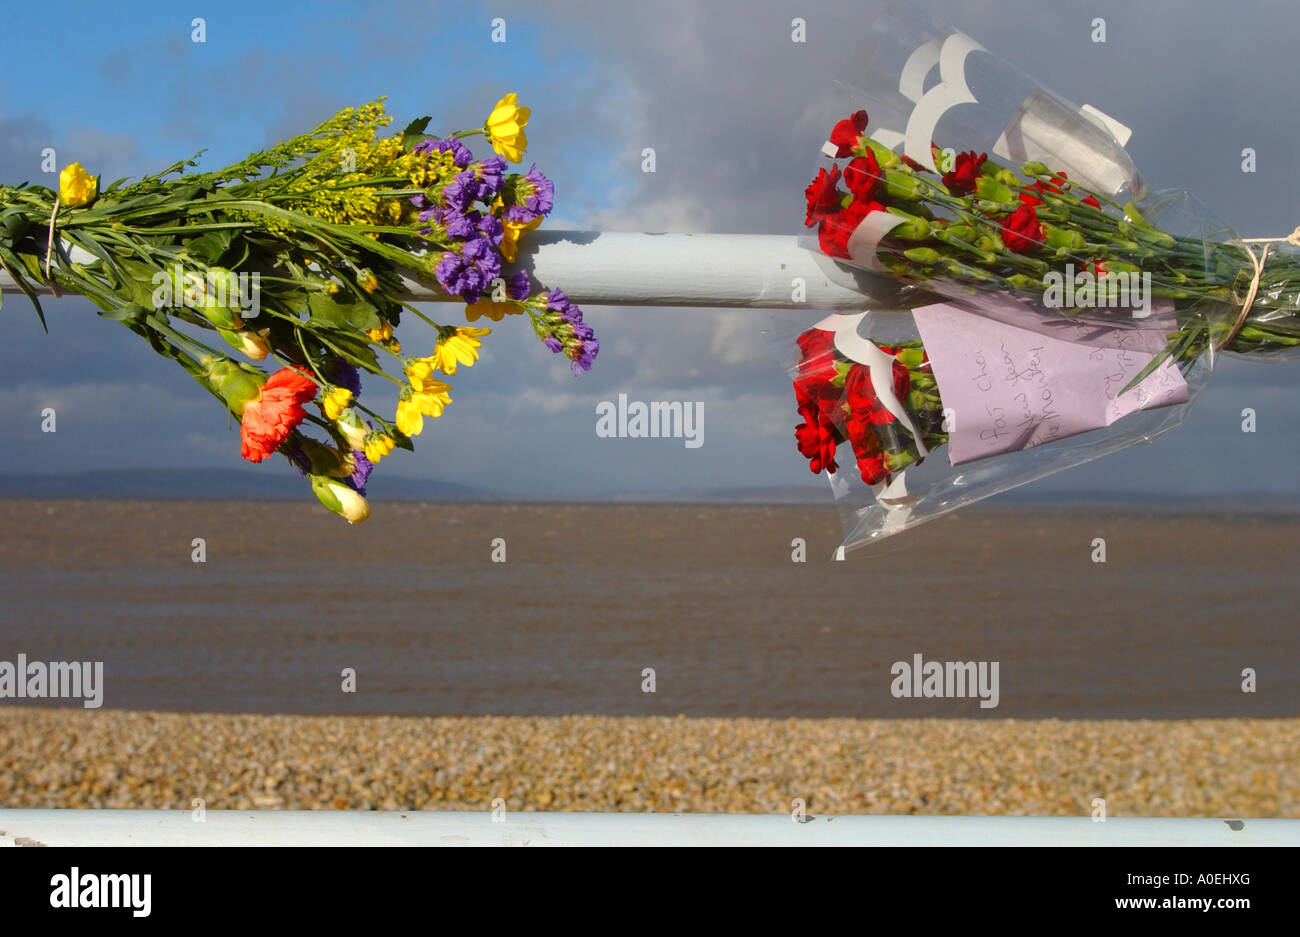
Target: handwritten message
1010,388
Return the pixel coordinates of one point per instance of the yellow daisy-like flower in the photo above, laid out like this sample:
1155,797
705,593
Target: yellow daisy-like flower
512,232
505,128
76,186
418,371
459,346
381,334
414,405
377,445
367,280
334,401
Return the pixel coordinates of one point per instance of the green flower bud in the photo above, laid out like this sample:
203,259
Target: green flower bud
236,384
923,255
1024,282
912,228
993,191
253,344
1035,168
340,498
325,460
901,183
1062,238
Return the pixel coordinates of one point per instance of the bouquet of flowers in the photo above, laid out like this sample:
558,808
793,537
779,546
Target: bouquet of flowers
1062,308
297,254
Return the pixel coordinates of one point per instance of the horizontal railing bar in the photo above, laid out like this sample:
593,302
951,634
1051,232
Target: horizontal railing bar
756,271
373,828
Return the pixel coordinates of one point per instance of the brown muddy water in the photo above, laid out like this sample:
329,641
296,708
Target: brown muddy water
591,596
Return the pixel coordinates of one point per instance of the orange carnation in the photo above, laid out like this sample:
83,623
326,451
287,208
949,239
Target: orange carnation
271,417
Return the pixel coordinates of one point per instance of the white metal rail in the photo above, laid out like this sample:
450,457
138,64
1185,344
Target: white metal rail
725,270
369,828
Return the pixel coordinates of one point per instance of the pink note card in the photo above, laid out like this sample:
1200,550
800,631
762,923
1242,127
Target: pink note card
1011,388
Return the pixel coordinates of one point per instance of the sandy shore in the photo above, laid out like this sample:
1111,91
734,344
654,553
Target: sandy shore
1210,767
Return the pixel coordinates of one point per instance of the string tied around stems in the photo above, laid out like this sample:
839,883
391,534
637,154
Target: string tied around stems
1257,260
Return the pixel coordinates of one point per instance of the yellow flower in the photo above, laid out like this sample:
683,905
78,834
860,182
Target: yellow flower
418,371
459,347
334,401
367,280
76,186
494,311
505,128
513,231
414,405
377,445
384,336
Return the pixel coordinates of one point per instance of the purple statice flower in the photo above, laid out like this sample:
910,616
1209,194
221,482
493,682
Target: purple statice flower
460,193
460,154
489,173
562,330
471,271
557,301
360,472
584,354
517,285
418,200
459,225
343,374
491,230
531,195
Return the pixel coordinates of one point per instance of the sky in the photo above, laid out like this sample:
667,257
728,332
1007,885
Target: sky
727,101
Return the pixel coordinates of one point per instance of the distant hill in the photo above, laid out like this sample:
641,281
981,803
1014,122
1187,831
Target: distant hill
216,485
252,485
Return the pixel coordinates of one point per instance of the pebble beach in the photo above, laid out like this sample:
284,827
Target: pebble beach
1160,768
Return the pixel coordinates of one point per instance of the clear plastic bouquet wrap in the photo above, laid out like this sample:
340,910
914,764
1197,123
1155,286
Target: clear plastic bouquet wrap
1062,309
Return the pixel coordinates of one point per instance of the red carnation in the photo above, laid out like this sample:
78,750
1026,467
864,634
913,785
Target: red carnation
268,420
1021,232
822,196
846,132
1059,182
815,436
818,361
862,397
1092,200
868,450
966,169
862,176
835,230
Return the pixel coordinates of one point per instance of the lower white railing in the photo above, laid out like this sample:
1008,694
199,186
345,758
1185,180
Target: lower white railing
369,828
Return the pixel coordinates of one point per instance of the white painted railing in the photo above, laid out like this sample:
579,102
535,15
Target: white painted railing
369,828
724,270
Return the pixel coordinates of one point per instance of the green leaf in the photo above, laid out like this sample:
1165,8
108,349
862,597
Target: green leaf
210,247
354,347
9,261
342,311
131,312
329,312
414,133
1175,349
